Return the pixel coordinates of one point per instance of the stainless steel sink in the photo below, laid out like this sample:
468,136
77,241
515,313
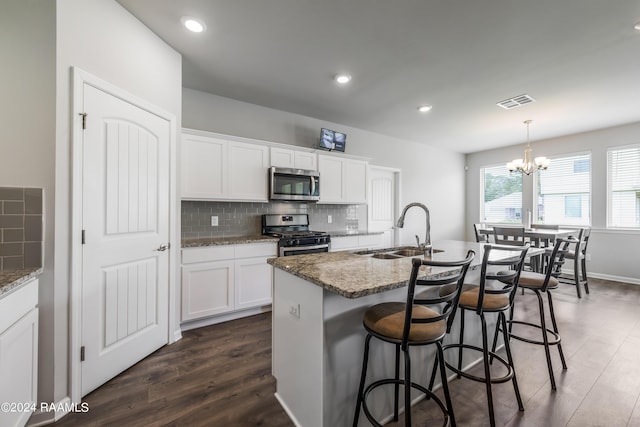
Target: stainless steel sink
385,255
395,253
414,252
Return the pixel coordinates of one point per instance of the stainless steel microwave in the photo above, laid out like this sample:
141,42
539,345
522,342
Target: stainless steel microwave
294,184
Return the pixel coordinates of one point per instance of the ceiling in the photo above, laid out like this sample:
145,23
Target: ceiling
579,59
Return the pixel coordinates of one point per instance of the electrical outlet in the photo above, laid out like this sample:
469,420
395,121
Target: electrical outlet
329,219
214,221
294,310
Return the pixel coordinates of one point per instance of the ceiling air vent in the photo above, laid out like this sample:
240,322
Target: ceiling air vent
516,101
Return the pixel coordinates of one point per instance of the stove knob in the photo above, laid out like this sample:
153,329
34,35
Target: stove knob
318,240
295,242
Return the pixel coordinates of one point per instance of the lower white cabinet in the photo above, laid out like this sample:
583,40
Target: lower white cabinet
225,279
364,241
19,354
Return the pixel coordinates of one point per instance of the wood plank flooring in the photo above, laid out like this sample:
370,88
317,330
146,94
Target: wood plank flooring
221,375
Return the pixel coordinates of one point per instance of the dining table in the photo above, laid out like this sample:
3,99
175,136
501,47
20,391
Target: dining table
537,237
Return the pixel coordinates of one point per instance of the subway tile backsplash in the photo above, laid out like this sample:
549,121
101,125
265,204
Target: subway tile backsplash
20,228
244,218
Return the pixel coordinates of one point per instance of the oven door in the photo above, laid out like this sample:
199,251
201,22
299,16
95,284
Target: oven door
302,250
294,184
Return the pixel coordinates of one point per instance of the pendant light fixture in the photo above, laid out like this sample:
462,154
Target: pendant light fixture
527,166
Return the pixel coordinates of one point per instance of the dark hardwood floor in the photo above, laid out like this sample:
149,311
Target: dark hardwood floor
221,375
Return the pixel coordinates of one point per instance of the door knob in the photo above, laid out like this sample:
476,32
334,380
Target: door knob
163,247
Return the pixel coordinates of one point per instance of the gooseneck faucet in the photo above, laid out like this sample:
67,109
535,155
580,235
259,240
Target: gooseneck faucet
426,246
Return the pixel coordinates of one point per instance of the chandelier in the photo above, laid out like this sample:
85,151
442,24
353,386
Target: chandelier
527,166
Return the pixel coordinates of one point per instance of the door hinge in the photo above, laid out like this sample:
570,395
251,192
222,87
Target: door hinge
84,120
83,237
82,354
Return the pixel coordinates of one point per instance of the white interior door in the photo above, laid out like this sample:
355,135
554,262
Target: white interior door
383,200
125,216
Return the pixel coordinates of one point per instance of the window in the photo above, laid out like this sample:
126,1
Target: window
623,201
564,191
501,199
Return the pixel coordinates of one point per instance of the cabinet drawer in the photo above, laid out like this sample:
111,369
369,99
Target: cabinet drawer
370,241
341,243
209,253
250,250
17,304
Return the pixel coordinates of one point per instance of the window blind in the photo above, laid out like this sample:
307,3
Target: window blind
623,201
564,191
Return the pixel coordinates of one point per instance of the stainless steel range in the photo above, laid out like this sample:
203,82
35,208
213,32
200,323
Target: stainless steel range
295,236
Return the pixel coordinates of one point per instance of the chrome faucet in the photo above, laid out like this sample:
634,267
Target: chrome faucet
426,246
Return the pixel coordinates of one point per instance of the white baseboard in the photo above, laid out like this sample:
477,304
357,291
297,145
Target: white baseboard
287,410
41,418
193,324
632,280
177,335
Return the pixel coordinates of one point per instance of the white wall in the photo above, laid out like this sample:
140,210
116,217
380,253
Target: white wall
102,38
430,175
27,127
613,252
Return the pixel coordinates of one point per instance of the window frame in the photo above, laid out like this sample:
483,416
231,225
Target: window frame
609,206
481,170
536,182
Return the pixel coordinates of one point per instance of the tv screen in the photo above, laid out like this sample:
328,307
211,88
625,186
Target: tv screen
332,140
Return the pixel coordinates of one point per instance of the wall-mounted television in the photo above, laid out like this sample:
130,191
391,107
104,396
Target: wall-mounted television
332,140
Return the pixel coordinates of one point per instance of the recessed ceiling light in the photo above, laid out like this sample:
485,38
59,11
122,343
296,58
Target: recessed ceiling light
343,78
193,24
424,108
637,26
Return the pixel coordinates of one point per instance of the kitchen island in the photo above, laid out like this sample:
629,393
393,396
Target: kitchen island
318,337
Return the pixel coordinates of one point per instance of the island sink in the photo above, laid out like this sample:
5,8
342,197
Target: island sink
395,253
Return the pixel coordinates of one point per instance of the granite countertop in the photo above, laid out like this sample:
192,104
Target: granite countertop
12,280
232,240
353,276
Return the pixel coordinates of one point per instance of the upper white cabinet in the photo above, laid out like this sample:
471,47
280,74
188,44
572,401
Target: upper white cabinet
342,180
291,158
204,169
218,169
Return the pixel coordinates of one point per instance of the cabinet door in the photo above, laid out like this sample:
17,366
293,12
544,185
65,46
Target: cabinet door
282,158
355,181
207,289
253,282
203,170
305,160
330,179
247,172
19,367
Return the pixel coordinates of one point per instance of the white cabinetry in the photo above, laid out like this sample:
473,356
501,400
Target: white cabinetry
19,353
365,241
342,180
291,158
225,279
219,169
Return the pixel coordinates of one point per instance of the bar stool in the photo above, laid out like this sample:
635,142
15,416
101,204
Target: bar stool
544,283
412,324
491,299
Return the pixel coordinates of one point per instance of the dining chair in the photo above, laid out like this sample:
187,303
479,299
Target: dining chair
424,319
579,256
512,236
480,237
